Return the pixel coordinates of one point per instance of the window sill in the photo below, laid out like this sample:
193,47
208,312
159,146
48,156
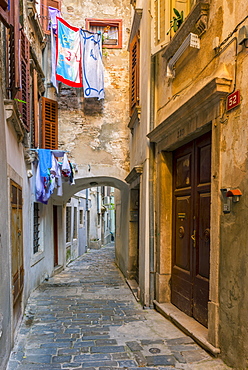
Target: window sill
196,22
37,257
13,116
33,15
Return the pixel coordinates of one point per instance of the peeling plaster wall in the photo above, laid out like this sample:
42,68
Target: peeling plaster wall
95,132
228,329
234,233
5,275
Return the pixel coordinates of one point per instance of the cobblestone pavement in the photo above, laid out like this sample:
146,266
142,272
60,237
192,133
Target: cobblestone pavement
87,318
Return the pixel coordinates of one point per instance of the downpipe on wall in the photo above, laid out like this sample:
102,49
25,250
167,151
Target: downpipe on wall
151,192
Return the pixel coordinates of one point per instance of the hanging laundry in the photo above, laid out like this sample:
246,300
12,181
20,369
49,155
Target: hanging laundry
52,25
68,51
72,181
59,181
93,75
53,14
45,160
53,61
66,168
40,192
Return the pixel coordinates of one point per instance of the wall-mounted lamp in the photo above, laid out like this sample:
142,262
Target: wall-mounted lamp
29,173
243,36
235,194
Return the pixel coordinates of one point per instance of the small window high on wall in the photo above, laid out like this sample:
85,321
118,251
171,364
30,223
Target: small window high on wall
111,30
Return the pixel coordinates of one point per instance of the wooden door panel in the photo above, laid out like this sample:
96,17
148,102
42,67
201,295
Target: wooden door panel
191,228
201,260
183,171
182,240
203,250
55,236
16,249
14,240
182,290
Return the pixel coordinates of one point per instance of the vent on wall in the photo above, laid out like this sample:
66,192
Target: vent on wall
191,41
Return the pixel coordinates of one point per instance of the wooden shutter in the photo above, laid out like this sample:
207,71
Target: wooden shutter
160,21
23,94
49,124
24,106
13,62
44,12
35,133
134,73
4,4
4,12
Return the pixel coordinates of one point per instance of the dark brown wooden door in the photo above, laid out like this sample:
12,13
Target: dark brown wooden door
16,249
191,228
55,235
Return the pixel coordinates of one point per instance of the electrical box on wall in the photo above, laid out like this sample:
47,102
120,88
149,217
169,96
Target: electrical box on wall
226,201
229,196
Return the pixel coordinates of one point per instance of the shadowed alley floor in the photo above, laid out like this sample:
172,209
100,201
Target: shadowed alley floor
86,317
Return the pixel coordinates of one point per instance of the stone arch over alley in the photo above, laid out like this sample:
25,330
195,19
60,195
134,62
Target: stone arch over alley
121,195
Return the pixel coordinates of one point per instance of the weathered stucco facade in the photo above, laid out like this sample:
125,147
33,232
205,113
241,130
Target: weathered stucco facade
95,132
184,104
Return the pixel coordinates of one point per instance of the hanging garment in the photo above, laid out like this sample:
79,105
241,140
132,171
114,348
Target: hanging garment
68,52
56,176
72,181
93,75
66,168
52,25
45,160
59,181
39,187
53,14
53,61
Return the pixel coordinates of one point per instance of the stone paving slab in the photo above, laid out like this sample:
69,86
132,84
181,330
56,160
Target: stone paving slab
87,318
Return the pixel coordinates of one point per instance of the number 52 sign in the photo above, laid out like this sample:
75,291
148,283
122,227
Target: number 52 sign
233,100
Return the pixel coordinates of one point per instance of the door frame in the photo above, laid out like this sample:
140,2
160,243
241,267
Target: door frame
18,277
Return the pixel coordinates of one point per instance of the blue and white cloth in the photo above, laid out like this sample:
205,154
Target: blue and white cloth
68,65
92,66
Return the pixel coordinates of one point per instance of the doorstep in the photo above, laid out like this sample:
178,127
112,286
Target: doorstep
187,324
58,269
134,287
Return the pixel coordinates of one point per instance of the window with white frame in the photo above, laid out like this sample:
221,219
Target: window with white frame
36,228
68,224
75,226
81,217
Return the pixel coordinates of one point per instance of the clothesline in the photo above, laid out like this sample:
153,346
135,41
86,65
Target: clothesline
52,150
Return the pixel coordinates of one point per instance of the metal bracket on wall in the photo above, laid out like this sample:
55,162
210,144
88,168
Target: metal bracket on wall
226,200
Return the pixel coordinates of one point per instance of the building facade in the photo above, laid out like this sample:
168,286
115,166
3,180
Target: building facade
175,99
188,109
36,239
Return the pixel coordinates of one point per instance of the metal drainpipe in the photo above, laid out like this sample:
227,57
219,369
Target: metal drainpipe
151,190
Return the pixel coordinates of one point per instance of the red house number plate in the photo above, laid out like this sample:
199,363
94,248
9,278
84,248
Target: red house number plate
233,100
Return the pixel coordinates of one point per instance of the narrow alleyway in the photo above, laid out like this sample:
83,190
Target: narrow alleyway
86,317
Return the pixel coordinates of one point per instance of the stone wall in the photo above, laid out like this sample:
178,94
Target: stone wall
95,132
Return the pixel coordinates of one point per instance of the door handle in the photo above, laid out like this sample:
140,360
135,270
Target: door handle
193,238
